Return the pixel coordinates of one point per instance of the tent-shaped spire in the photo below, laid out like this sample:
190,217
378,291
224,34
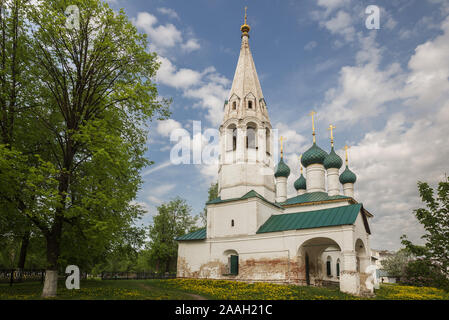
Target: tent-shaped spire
246,80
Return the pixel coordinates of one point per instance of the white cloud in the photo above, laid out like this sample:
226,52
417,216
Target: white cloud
211,97
310,45
165,127
341,24
163,189
412,146
331,5
164,36
208,87
157,168
180,79
363,89
168,12
191,45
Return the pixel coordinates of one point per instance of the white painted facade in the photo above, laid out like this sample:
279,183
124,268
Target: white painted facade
246,164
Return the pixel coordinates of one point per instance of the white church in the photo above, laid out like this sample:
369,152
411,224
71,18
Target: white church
254,231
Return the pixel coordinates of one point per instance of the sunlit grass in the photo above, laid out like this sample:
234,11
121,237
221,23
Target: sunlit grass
189,289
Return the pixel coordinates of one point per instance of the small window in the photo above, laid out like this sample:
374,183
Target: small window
250,104
338,268
232,222
328,269
234,139
234,105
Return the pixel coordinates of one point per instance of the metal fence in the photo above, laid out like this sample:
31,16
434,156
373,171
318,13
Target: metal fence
136,275
15,275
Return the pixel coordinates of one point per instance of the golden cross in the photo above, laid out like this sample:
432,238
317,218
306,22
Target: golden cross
282,139
331,128
313,113
245,14
346,150
300,166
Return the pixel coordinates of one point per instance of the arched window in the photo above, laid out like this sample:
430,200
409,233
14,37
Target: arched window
268,138
231,138
338,268
328,266
232,222
250,104
234,105
251,137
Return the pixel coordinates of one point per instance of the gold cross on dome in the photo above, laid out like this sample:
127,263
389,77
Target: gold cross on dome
282,139
331,128
300,166
245,13
313,113
346,150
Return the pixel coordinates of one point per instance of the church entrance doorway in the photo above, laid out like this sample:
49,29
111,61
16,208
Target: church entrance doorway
317,259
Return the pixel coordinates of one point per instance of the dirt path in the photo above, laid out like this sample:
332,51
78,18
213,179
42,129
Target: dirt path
193,296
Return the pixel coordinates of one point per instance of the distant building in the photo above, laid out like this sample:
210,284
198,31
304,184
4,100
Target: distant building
377,256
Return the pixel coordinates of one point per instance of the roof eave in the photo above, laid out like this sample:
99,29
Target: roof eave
351,200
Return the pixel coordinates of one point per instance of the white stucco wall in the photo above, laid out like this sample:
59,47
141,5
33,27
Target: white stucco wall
315,180
333,183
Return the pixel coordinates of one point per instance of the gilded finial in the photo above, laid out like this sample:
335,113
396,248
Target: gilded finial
282,139
331,128
245,27
313,113
300,165
245,13
346,150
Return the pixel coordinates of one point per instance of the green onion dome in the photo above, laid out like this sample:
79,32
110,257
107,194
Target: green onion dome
348,176
282,170
300,183
333,160
313,156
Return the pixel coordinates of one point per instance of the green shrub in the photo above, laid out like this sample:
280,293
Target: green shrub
423,273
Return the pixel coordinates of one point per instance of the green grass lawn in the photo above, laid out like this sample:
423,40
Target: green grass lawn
186,289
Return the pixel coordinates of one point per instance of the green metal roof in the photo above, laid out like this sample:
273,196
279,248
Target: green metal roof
312,197
251,194
314,155
333,160
195,235
282,170
345,215
348,176
300,183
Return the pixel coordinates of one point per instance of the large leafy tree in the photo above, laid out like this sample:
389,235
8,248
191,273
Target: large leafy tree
94,94
16,99
435,220
396,264
173,220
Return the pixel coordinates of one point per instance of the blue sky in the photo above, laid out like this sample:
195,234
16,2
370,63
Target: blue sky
386,91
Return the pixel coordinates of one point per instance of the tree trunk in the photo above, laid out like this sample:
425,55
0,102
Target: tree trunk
50,284
167,265
51,274
23,252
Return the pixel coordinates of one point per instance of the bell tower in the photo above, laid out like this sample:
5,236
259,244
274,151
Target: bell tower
246,148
